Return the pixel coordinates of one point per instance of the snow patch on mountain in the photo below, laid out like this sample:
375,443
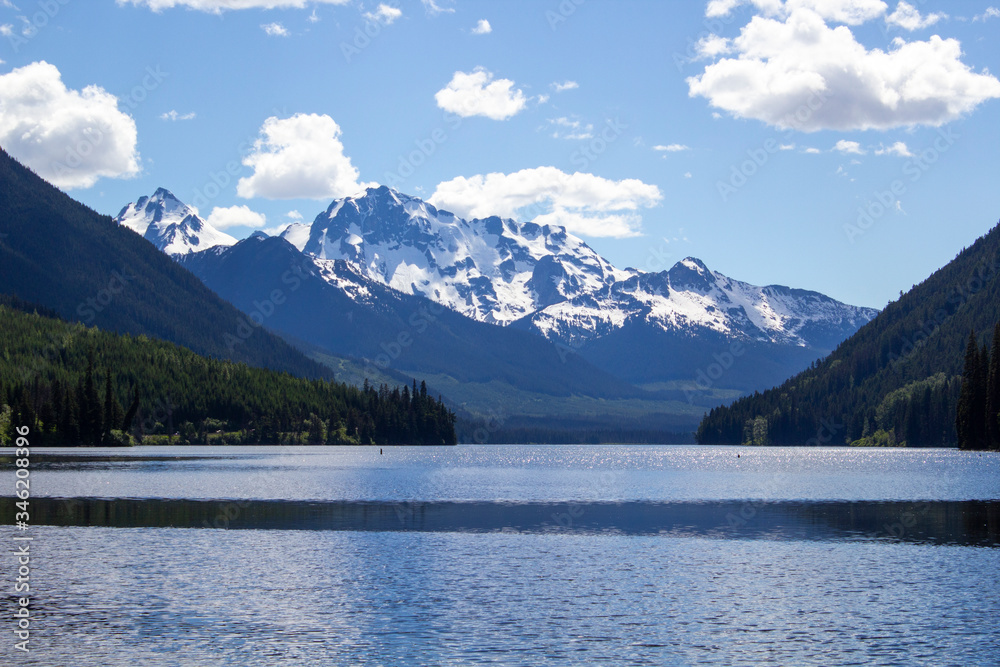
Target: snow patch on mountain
170,225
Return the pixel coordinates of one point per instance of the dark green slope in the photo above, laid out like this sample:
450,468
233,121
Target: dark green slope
899,373
57,252
43,370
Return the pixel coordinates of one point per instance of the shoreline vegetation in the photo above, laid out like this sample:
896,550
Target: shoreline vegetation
914,376
80,386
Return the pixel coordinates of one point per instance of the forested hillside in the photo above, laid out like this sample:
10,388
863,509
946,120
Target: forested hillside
79,385
56,252
897,380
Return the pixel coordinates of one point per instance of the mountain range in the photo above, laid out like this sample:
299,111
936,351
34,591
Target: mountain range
386,282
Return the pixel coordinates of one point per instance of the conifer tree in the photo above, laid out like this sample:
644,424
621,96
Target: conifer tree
965,416
993,393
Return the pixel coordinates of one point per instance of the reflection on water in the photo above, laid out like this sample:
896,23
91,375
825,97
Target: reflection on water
973,523
514,555
160,597
514,473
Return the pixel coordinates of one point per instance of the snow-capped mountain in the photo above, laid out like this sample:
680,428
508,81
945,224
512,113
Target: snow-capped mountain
491,270
502,271
170,225
519,277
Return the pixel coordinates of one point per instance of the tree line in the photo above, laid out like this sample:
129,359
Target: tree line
898,380
977,418
82,386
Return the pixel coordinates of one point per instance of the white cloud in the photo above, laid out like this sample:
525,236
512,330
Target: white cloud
275,30
687,174
583,203
712,46
477,94
433,7
313,18
813,151
990,13
294,215
849,12
800,73
218,6
718,8
70,138
173,115
235,216
483,27
672,148
299,157
384,14
564,86
567,128
7,30
908,17
786,147
898,148
848,147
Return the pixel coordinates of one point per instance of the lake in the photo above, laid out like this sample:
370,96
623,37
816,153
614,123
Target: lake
513,555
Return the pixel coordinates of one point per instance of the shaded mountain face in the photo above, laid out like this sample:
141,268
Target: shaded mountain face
329,304
170,225
58,253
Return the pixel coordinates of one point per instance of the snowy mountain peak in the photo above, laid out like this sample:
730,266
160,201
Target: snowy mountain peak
171,225
501,271
492,270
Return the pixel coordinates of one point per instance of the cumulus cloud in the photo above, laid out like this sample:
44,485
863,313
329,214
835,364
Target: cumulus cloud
174,115
483,27
70,138
672,148
908,17
299,157
812,151
564,86
275,30
218,6
899,148
583,203
235,216
384,14
848,147
798,72
476,93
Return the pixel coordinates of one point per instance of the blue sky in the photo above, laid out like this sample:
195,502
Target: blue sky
846,146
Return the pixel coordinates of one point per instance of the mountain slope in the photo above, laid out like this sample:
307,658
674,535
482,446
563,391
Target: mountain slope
57,252
327,303
897,374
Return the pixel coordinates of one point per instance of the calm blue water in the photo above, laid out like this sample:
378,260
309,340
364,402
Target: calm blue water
691,556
